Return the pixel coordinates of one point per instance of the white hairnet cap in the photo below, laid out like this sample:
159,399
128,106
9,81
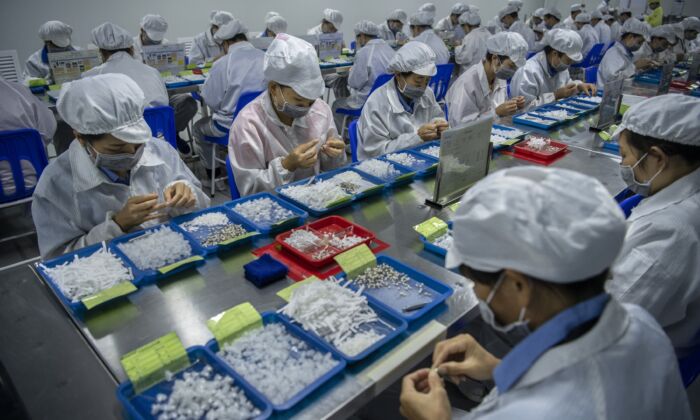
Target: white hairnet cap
583,18
507,11
109,36
220,17
634,26
422,19
664,31
333,16
57,32
553,224
624,10
691,24
459,8
155,27
539,12
399,15
414,57
293,62
607,17
470,18
509,44
229,30
540,28
516,3
671,117
276,24
565,41
428,7
366,27
596,14
576,7
553,11
105,104
270,14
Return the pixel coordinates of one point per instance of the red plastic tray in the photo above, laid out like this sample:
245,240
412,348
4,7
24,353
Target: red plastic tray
522,149
330,224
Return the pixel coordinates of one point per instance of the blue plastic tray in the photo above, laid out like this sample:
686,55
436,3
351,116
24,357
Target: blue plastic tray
152,275
312,341
299,217
584,106
555,107
331,174
428,167
612,146
405,176
178,84
429,246
390,298
506,128
78,307
519,120
139,406
199,235
419,149
583,99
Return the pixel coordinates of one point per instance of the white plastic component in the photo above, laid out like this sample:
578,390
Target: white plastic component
263,210
210,219
405,159
433,151
379,168
156,249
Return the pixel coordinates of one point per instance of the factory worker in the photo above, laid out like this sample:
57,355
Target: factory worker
538,244
115,178
689,43
482,91
391,30
656,17
449,25
153,29
508,17
614,27
545,77
421,25
472,49
657,50
618,60
19,108
56,36
428,8
287,133
659,267
539,31
403,112
604,34
623,14
536,18
552,19
237,72
274,24
204,48
330,23
570,20
588,35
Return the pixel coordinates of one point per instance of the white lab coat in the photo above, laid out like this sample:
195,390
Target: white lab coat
388,35
386,126
659,266
258,141
445,25
665,56
146,77
74,201
590,37
604,33
204,48
623,368
470,97
34,67
473,48
615,31
241,70
138,47
617,62
536,83
528,34
370,62
316,30
569,23
431,39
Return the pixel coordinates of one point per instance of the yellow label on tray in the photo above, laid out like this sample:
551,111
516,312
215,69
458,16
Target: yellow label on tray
356,260
34,82
171,267
454,206
232,323
286,293
106,295
166,73
55,87
405,176
238,238
338,201
186,73
146,365
431,229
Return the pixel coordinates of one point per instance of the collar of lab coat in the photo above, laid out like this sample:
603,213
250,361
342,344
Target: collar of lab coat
680,190
498,84
267,106
395,102
210,38
541,58
119,55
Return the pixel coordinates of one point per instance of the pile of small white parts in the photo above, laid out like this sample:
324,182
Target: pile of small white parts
433,151
533,118
86,276
498,139
309,242
343,241
596,99
275,362
263,210
335,313
540,144
211,219
444,241
201,395
405,159
303,239
315,196
569,107
156,249
509,134
351,182
381,276
379,168
555,114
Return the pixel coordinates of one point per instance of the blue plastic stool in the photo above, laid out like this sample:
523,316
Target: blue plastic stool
161,119
232,181
441,81
591,59
590,74
356,112
353,140
15,146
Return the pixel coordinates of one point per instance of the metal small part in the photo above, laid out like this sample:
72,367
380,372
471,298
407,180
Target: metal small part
415,307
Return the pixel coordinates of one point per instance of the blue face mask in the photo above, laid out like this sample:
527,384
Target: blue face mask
517,329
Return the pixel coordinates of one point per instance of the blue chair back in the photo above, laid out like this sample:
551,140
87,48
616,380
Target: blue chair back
690,367
380,81
591,59
232,181
598,59
353,44
610,45
590,74
530,54
15,146
245,99
441,81
353,139
161,119
630,203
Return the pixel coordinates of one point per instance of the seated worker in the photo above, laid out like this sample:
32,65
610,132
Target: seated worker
688,34
449,26
482,91
623,14
421,25
153,29
115,178
588,34
204,48
604,32
391,29
537,18
57,38
508,17
538,244
545,76
657,50
403,112
575,10
656,17
614,27
473,47
552,19
539,31
332,19
19,108
287,133
659,267
428,8
618,61
274,24
239,71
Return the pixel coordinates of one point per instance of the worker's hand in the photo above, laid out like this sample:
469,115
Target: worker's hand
441,125
520,101
565,91
507,108
137,210
333,147
423,396
179,194
588,88
303,156
644,64
462,356
428,132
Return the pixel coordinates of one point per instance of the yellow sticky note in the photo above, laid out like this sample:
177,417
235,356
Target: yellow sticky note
454,206
605,136
146,365
166,73
191,66
238,238
232,323
286,293
431,229
171,267
34,82
356,260
185,73
55,87
106,295
623,109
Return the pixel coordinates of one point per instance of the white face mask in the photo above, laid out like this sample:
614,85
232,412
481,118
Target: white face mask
518,328
641,188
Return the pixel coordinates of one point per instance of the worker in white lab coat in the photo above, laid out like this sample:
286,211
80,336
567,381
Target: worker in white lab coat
429,8
545,76
482,91
552,19
575,10
330,23
274,24
19,108
115,178
689,43
659,267
449,27
657,50
604,32
152,32
618,61
508,16
403,112
588,35
391,30
239,71
547,238
472,49
537,18
287,133
539,31
204,48
421,25
57,38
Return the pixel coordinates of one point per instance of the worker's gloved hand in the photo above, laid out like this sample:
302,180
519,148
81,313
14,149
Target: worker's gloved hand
441,125
428,132
333,148
644,64
507,108
137,210
520,101
462,356
423,396
565,91
179,194
588,88
302,157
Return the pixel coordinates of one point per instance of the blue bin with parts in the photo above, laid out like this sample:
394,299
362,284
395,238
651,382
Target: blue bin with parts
547,124
297,219
405,175
421,149
431,247
425,165
515,139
